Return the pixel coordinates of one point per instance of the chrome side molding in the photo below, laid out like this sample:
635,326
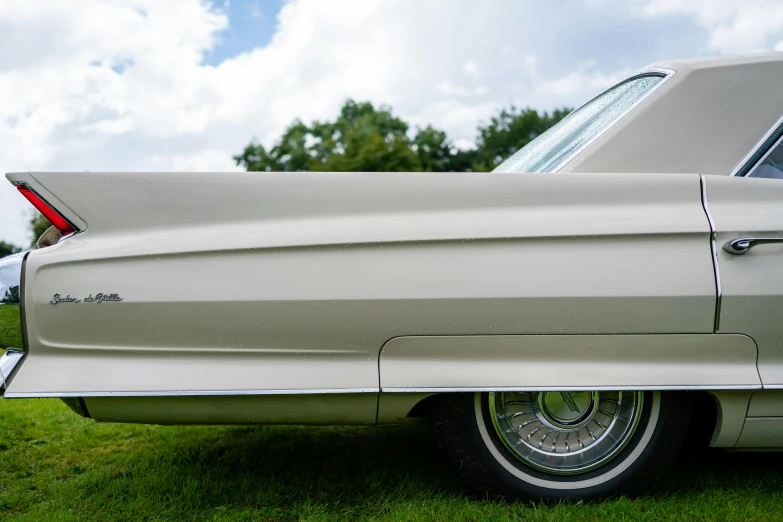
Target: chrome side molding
11,324
10,302
8,362
188,393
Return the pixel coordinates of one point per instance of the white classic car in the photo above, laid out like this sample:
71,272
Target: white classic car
560,330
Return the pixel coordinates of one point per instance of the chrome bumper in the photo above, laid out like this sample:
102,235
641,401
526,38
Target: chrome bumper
8,362
11,337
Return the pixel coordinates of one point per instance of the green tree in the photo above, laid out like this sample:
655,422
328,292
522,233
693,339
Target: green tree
434,151
6,249
361,138
38,225
365,138
290,154
508,131
11,296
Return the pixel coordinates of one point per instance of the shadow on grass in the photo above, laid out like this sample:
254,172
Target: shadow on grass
698,469
363,470
274,470
56,466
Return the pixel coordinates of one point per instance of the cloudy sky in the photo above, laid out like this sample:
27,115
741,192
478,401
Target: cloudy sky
183,84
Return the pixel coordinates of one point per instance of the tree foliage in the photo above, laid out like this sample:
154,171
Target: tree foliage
38,225
11,296
363,138
508,131
6,249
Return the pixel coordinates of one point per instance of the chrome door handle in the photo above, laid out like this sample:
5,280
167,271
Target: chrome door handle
743,244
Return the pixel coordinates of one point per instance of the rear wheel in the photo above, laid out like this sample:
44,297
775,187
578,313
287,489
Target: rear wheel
561,445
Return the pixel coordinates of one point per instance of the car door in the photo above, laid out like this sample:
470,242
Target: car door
748,219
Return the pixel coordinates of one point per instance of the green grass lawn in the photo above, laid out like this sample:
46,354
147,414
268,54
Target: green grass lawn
9,335
55,466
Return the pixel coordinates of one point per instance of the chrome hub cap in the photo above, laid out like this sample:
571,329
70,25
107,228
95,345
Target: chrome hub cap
565,432
566,409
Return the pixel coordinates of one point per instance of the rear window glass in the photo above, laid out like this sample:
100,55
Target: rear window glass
556,146
772,164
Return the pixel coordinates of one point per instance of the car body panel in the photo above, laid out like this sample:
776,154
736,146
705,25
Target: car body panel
313,408
766,403
731,407
300,297
331,409
577,362
761,432
751,284
705,119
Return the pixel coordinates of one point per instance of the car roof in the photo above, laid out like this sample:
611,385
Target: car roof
712,62
706,118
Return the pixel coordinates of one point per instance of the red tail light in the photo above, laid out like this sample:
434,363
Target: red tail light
49,213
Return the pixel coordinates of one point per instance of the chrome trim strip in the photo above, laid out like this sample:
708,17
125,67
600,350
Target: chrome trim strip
629,387
746,160
14,353
714,249
666,73
188,393
8,362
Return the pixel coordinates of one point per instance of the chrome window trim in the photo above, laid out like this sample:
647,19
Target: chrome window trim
770,148
714,249
770,139
666,74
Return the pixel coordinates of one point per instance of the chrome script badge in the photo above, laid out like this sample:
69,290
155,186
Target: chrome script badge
97,298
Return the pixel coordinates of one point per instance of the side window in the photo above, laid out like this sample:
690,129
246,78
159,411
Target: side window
771,165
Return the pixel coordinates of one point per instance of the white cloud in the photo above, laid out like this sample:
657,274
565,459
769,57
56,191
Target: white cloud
122,85
735,26
585,77
471,69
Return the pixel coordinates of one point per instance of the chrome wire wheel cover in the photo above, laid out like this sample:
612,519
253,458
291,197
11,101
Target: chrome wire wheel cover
565,432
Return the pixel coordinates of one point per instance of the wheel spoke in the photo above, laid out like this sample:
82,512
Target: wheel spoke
519,414
534,432
527,422
541,442
514,403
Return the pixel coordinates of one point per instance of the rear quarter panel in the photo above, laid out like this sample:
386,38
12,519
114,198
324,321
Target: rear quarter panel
244,283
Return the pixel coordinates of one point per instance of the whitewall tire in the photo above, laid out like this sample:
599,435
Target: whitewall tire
560,445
